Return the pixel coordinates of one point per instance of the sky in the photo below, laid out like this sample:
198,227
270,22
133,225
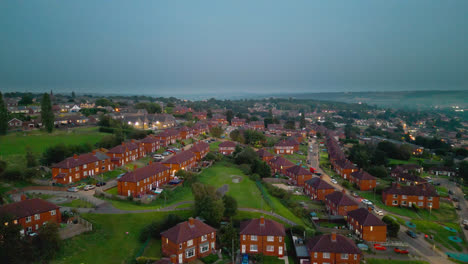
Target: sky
169,47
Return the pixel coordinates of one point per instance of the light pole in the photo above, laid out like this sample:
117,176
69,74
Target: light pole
430,211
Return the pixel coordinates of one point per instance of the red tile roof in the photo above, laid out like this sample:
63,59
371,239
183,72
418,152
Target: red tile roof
227,144
413,190
269,228
324,243
27,208
264,153
180,157
340,199
287,143
319,184
149,139
362,175
120,149
143,173
82,159
280,161
298,170
365,218
200,146
184,231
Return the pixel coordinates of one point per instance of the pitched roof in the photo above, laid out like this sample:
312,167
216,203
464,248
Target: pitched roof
362,175
413,190
319,184
184,231
143,172
365,218
72,162
122,147
227,144
269,228
324,243
345,164
27,208
168,133
286,143
340,199
280,161
298,170
180,157
149,139
264,153
200,146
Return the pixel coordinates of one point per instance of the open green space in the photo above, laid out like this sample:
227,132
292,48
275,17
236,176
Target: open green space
109,175
388,261
441,234
298,158
412,160
214,146
112,191
78,204
109,241
153,249
271,260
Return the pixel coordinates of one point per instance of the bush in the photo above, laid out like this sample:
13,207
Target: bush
12,174
245,168
393,227
210,259
346,184
145,260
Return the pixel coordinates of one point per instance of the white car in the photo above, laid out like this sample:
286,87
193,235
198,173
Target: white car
465,222
158,156
89,187
378,211
334,181
366,202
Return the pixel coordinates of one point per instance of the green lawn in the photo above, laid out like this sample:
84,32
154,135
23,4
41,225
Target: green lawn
272,260
112,191
441,234
412,160
242,215
153,249
111,174
108,242
14,144
386,261
214,145
78,204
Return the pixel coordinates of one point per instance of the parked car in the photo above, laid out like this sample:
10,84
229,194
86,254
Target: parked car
89,187
318,174
378,211
354,194
245,259
458,207
158,156
379,247
120,175
455,199
81,186
99,184
366,202
437,184
400,251
72,189
334,181
411,234
166,153
450,192
465,222
300,152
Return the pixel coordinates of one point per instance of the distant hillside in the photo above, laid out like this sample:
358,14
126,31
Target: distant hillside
413,99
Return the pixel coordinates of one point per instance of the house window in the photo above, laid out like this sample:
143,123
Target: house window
421,197
270,248
28,219
344,256
420,203
204,248
315,254
203,238
243,237
85,173
429,198
253,238
180,246
253,248
395,196
403,197
371,228
270,238
403,202
29,229
280,239
429,204
37,216
190,252
395,202
326,255
52,212
85,166
355,256
190,242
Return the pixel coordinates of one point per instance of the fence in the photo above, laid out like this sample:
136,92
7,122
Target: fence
265,195
75,229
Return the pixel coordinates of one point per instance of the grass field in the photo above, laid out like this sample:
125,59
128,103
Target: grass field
78,203
412,160
153,249
214,146
441,234
109,243
13,146
387,261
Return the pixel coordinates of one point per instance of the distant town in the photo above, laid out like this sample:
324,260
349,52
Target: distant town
140,179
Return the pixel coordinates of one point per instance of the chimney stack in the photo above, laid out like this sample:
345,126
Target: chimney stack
75,156
123,143
321,176
135,166
150,162
173,259
398,185
191,221
94,152
262,220
343,190
23,197
333,236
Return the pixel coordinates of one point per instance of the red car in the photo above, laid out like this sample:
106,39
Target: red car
401,251
379,247
312,170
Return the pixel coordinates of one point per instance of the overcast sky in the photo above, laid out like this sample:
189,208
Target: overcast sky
176,47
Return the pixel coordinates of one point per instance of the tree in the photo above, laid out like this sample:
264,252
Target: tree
253,137
31,160
393,227
11,244
47,243
73,95
302,123
208,204
46,113
378,171
229,115
209,114
290,124
236,135
26,99
463,170
216,131
229,238
3,116
230,206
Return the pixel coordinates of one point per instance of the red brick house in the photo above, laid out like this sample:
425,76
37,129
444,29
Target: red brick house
142,180
200,128
31,214
150,144
422,195
126,152
339,203
279,165
265,155
262,236
298,175
200,149
185,132
189,240
237,122
78,167
367,226
363,180
344,168
181,161
333,248
274,128
286,147
227,147
256,125
317,188
181,110
199,115
168,137
219,120
409,178
15,123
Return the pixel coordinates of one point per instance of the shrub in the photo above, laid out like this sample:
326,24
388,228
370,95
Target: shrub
346,184
245,168
145,260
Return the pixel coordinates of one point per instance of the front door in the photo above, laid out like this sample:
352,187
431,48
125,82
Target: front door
280,251
181,258
243,248
70,179
129,193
